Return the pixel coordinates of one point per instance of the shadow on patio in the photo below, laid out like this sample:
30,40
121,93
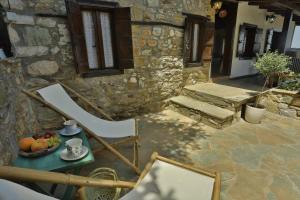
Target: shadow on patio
256,161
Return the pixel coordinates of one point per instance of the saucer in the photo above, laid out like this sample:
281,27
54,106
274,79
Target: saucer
65,155
74,132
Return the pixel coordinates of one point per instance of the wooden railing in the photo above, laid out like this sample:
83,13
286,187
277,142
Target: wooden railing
295,66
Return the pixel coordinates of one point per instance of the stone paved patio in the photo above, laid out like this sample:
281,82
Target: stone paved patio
257,161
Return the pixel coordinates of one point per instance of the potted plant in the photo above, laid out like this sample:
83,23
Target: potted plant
270,65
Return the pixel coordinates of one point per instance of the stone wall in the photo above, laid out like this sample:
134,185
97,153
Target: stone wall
41,44
282,102
10,82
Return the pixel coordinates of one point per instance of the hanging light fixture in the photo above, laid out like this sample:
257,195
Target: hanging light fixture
271,18
216,4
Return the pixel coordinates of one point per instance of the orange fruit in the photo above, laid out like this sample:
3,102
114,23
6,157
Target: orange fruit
25,143
39,144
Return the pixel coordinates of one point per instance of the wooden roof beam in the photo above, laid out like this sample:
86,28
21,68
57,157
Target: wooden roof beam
292,5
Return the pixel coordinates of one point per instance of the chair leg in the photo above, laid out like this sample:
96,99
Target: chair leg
136,153
117,153
136,145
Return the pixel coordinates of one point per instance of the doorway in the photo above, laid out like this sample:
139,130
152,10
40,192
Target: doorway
225,21
275,41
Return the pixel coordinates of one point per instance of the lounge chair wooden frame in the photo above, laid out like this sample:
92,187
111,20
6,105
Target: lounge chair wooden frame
111,147
29,175
213,174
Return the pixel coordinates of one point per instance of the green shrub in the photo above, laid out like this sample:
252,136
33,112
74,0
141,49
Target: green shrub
273,64
291,83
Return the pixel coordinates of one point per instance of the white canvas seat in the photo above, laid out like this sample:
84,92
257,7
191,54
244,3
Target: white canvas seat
58,97
165,181
12,191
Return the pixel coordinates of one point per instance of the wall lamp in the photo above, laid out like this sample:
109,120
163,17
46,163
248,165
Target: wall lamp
271,18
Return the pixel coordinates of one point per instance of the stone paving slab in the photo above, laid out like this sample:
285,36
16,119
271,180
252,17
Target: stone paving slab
257,161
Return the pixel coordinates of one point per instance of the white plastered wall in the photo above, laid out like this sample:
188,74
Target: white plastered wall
251,15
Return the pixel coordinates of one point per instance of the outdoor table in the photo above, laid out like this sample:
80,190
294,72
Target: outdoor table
53,162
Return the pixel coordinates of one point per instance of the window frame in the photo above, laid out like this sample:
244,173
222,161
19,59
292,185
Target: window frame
205,43
190,22
97,8
99,37
243,41
118,15
200,43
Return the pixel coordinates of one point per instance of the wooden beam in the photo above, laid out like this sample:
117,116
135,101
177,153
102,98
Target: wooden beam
30,175
296,19
285,29
291,4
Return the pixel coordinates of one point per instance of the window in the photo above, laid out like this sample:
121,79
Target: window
296,38
98,41
5,45
249,41
101,35
198,40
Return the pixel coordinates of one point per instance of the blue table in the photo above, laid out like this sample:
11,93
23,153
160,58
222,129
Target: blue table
53,162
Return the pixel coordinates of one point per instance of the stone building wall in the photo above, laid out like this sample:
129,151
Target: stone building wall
10,82
282,102
38,31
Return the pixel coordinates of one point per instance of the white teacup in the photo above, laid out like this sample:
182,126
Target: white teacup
70,125
74,146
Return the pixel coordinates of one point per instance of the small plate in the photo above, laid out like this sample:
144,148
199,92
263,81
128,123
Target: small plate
64,155
65,133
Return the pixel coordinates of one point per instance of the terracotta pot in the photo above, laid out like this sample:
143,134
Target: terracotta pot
254,114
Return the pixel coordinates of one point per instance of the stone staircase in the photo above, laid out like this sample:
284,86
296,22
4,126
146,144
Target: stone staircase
215,105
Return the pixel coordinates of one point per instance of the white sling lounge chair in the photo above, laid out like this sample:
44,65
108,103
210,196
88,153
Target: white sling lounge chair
55,97
165,179
162,179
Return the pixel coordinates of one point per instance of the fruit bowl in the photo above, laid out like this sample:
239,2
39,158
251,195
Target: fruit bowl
38,153
39,145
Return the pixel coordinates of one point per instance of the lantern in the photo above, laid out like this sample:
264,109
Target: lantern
216,4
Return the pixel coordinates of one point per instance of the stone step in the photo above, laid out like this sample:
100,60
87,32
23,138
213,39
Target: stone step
227,97
221,95
202,111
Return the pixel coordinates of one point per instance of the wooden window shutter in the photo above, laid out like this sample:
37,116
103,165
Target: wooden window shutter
77,34
208,41
187,41
123,37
